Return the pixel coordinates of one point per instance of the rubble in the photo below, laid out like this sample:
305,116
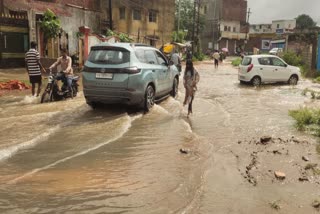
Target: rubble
280,175
14,85
305,158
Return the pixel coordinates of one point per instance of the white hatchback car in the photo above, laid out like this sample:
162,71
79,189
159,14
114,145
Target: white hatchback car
259,69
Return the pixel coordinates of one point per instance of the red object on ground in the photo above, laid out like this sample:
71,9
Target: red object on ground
14,85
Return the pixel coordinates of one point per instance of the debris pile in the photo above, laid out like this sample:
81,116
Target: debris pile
13,85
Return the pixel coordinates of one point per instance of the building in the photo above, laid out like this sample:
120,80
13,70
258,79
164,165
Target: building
72,14
227,24
283,26
146,21
260,28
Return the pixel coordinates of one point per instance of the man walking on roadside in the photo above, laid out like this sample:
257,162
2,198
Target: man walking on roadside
33,67
216,57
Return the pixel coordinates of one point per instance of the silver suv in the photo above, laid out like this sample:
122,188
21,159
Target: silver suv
131,74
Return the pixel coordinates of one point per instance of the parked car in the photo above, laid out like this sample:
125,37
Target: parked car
131,74
275,51
259,69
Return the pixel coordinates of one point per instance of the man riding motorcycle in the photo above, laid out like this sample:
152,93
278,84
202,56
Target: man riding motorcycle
66,74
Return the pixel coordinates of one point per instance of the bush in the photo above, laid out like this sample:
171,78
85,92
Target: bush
292,59
307,120
236,62
199,56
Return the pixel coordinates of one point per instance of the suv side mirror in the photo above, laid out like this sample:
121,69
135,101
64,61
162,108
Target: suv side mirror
171,63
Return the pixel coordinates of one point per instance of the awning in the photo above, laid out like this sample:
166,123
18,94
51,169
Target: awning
278,41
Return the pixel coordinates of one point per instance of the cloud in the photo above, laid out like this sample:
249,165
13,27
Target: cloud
264,11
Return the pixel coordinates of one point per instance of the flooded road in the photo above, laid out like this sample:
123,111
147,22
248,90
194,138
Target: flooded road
64,157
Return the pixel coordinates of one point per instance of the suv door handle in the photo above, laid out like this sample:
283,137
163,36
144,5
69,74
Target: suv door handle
153,71
276,69
261,69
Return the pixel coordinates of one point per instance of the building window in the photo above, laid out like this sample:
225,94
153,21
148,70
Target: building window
205,9
229,29
289,26
122,12
136,14
278,26
234,29
225,28
152,16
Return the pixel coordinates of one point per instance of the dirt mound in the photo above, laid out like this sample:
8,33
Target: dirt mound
14,85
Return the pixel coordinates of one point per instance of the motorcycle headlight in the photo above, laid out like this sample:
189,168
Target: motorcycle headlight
50,79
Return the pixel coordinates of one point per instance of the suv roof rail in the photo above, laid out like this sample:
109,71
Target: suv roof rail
139,45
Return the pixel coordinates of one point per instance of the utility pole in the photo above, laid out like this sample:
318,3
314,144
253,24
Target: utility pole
110,14
193,26
179,15
198,26
1,7
248,26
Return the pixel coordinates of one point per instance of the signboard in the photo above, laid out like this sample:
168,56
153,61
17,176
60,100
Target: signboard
279,31
265,44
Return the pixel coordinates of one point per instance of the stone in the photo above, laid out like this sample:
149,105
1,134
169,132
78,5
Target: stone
265,139
184,151
305,158
303,179
280,175
316,204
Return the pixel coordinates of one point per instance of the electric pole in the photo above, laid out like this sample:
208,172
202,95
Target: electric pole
193,26
249,12
110,14
1,7
178,15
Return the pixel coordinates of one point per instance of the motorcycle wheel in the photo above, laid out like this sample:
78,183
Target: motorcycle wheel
74,90
46,97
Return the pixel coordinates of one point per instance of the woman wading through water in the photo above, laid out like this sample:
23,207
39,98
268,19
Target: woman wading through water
190,80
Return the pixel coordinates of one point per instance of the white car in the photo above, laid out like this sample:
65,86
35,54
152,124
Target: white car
275,51
257,69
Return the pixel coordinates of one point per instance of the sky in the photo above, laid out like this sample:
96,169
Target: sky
264,11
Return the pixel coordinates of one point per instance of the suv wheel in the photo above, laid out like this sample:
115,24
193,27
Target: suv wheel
174,91
149,98
256,81
293,80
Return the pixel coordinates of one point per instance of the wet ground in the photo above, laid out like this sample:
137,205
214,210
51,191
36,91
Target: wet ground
64,157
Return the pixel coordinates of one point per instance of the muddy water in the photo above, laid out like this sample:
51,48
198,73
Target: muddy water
64,157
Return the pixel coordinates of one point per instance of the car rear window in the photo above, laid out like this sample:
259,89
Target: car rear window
109,56
246,61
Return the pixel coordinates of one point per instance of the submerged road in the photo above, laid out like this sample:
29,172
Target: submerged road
64,157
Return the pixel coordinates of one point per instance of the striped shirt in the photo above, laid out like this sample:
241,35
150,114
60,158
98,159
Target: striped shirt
32,60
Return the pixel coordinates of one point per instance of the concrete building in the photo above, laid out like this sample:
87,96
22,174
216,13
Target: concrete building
283,26
146,21
260,28
72,14
226,21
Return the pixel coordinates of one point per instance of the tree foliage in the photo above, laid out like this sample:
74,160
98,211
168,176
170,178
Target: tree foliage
305,21
122,36
184,18
179,36
50,25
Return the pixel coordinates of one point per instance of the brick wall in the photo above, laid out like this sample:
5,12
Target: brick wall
234,10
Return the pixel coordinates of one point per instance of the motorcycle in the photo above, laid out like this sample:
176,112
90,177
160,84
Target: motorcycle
53,93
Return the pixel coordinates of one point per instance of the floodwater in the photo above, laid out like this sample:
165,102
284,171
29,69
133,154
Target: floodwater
64,157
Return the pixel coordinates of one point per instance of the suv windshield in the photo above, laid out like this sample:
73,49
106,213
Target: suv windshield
246,61
109,56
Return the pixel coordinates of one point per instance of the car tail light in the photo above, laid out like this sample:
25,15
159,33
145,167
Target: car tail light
250,68
131,70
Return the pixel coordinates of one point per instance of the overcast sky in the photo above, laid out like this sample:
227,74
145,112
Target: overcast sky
264,11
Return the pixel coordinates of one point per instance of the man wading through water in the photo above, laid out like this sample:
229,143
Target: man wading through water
190,80
34,66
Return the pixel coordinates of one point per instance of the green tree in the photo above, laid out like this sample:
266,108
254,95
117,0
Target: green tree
50,26
305,21
122,36
179,36
184,17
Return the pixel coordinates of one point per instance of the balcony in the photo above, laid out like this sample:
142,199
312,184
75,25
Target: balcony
233,35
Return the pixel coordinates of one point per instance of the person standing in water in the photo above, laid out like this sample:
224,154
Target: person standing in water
34,67
190,80
216,57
